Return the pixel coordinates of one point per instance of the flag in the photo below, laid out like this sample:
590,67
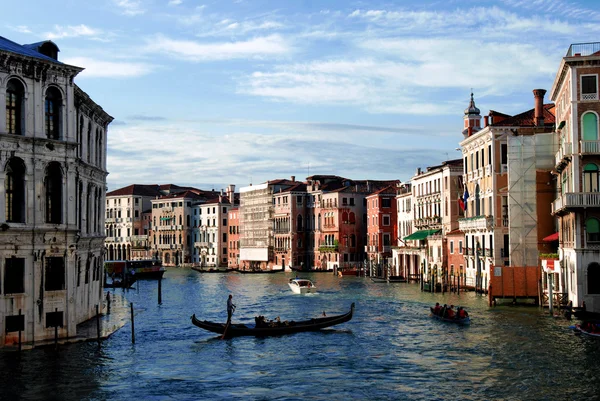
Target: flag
461,204
465,197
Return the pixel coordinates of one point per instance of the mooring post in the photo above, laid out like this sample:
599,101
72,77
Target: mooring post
55,329
132,324
160,290
19,332
98,324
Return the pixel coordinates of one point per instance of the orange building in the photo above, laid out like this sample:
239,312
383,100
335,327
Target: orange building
382,229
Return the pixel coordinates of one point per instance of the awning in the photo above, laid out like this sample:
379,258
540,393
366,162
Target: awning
419,235
551,237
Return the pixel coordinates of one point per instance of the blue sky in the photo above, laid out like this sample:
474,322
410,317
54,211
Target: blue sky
210,93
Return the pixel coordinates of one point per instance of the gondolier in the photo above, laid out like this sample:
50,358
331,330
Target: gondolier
230,308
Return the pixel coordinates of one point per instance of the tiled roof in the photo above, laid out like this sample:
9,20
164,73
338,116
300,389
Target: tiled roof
24,50
137,189
527,119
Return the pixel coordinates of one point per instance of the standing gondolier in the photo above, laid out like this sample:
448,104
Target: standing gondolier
230,308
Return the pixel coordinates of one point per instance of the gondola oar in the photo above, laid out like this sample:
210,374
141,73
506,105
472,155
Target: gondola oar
225,331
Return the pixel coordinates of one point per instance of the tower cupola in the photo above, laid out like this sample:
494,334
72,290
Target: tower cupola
472,119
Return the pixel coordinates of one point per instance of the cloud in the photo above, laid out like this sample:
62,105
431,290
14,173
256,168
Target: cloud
245,154
21,29
197,51
129,7
139,117
109,69
175,2
72,31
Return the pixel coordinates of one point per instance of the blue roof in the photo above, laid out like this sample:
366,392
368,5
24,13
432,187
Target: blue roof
24,50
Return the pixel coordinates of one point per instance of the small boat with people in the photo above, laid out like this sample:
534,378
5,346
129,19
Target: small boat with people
302,286
448,314
589,328
276,327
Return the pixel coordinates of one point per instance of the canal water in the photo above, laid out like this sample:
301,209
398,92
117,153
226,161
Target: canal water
390,350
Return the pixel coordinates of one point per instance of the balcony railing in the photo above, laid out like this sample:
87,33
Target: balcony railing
477,223
590,147
576,200
583,49
202,244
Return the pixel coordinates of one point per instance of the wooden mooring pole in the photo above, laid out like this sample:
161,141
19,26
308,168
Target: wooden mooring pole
160,290
98,323
55,330
19,333
132,324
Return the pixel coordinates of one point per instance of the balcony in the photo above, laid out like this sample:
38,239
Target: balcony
203,244
575,201
328,248
110,220
590,147
477,223
165,246
109,239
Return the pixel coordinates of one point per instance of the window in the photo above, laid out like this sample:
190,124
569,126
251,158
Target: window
460,246
299,199
14,276
592,227
386,220
590,178
351,201
386,202
451,247
589,87
386,240
590,131
55,274
14,187
52,109
345,201
53,184
14,107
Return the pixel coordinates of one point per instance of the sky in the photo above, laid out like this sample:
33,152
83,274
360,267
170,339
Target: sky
212,93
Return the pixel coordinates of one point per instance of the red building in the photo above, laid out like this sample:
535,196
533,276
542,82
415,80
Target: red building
233,220
382,223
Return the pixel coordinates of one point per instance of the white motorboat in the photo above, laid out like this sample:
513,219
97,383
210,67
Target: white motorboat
302,286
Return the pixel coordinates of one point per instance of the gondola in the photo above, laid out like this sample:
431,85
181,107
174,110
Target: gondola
259,271
466,320
391,279
213,270
273,328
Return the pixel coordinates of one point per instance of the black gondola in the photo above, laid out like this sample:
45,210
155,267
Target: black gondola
273,328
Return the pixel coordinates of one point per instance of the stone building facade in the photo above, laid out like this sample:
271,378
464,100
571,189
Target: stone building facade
52,183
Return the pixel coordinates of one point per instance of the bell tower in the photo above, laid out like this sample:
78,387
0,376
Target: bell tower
472,119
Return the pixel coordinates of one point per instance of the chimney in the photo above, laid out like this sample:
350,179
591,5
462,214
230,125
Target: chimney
231,193
470,130
293,178
486,121
538,94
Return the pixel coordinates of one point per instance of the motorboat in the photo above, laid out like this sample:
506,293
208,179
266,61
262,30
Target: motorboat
302,286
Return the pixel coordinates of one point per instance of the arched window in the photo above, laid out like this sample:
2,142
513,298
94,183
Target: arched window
592,228
593,278
14,187
590,127
14,107
590,178
53,184
352,218
52,110
299,223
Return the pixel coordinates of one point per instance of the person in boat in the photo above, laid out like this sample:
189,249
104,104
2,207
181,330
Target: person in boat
443,310
450,313
230,308
437,308
461,313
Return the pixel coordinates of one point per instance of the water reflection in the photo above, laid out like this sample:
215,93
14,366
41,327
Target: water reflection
391,349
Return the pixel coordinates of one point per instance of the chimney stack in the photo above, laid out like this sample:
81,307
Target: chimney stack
538,94
231,193
470,131
486,121
293,178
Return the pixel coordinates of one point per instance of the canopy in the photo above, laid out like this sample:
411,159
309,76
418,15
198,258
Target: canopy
421,234
551,237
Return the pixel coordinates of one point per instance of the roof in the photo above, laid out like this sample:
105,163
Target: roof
138,190
420,235
25,50
527,118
